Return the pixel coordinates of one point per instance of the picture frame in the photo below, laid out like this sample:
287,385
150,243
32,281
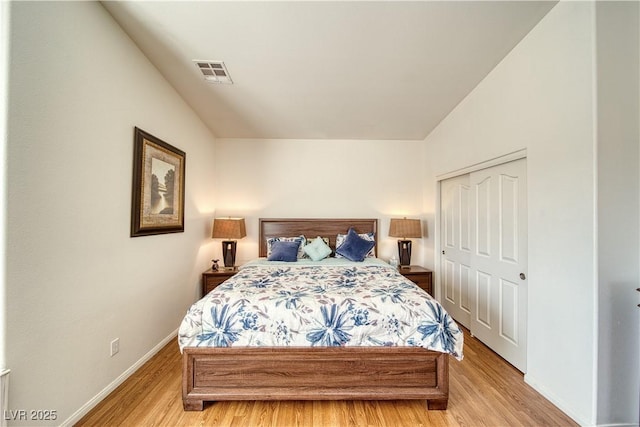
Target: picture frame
157,205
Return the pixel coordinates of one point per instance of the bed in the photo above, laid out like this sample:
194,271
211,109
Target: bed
258,366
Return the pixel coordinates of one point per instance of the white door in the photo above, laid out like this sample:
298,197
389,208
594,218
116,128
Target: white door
499,259
493,273
455,220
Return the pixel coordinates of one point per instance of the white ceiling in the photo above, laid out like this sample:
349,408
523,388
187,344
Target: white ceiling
327,70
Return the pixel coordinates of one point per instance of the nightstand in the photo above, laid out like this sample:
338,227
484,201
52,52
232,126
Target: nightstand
211,278
420,276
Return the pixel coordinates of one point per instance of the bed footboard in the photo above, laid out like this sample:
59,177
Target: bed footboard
334,373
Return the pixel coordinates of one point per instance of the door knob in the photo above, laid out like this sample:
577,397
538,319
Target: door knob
522,276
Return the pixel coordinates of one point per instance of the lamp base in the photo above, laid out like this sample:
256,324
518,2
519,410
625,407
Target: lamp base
229,252
404,252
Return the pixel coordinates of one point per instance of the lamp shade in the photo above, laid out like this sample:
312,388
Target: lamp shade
405,228
228,228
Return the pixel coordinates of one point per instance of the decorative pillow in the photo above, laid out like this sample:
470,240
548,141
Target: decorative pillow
324,239
317,250
284,251
301,239
367,236
309,240
354,247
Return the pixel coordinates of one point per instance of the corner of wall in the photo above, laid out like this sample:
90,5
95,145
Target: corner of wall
4,100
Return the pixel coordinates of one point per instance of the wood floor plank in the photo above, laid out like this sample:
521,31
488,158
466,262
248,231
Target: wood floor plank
484,391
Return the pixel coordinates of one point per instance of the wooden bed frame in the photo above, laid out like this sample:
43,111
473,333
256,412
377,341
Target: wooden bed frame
313,373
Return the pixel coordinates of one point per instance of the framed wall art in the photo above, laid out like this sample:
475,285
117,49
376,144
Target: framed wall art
157,205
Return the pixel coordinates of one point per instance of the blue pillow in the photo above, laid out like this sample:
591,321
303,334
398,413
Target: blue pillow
300,239
367,236
284,251
354,247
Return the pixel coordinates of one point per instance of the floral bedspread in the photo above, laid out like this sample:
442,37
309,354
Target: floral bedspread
320,304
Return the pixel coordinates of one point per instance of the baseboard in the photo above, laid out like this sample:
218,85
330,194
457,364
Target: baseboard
557,402
84,410
4,395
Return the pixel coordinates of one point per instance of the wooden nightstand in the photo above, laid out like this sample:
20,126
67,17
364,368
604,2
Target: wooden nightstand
211,279
420,276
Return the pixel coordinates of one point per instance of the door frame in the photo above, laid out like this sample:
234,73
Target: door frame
515,155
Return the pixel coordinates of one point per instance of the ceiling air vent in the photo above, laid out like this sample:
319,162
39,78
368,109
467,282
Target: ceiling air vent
214,71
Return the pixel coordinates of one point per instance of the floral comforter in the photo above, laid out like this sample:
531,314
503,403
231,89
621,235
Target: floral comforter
336,303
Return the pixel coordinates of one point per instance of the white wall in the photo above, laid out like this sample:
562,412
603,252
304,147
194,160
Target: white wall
4,100
75,279
541,97
319,179
618,211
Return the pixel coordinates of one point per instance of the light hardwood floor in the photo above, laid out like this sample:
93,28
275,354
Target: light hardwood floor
484,391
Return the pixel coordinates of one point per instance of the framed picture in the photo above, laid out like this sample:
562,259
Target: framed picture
157,205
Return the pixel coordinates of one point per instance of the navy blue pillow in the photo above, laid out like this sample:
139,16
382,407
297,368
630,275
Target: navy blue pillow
284,251
354,247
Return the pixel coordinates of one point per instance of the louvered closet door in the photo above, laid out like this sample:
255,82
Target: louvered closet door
484,261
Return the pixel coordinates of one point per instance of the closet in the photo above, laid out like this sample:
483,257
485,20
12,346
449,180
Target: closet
483,262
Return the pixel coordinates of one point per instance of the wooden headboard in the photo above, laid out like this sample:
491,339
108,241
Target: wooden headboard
311,228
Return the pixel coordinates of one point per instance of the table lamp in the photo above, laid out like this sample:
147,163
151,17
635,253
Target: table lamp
405,228
229,229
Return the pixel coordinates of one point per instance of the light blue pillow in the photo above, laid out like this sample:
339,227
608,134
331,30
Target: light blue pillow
354,247
284,251
317,250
